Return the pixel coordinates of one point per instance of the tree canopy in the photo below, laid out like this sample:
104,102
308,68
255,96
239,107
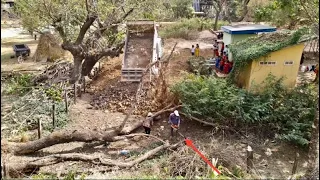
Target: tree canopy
90,29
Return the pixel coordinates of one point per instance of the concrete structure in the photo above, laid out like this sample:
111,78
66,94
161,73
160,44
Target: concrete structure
232,34
282,63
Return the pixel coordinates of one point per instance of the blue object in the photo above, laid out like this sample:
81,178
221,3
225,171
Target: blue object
247,29
218,63
124,152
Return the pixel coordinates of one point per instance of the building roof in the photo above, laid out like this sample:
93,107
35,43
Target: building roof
247,50
247,29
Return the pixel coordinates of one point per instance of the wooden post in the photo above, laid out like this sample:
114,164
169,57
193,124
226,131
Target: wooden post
66,99
249,158
4,170
84,84
75,93
99,66
79,89
53,115
39,128
295,164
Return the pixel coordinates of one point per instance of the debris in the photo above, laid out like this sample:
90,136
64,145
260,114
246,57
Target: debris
268,152
256,156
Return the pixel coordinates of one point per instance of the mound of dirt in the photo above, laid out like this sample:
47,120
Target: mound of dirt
49,48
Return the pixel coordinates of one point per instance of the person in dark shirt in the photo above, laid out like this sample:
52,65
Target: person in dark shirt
147,123
174,121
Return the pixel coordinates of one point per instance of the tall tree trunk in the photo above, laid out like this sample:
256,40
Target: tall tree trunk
88,64
77,68
215,27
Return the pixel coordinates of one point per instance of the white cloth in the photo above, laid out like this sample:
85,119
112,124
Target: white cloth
193,50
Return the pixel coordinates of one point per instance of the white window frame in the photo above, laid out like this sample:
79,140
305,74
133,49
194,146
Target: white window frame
288,63
267,63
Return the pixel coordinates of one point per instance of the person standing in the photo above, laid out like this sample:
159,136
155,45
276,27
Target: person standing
174,121
197,50
192,50
147,123
215,49
226,50
222,49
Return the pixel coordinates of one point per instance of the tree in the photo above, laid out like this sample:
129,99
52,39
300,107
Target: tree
289,12
90,29
218,7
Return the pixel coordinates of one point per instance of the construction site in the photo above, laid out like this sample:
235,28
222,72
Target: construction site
94,128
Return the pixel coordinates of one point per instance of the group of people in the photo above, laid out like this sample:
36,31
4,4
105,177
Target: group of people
174,121
222,62
195,51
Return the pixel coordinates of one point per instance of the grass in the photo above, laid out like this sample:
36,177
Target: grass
188,28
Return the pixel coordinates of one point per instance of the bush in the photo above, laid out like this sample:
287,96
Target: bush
288,114
19,84
188,28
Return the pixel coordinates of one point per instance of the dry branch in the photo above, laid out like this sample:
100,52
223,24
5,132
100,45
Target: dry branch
132,127
17,169
75,136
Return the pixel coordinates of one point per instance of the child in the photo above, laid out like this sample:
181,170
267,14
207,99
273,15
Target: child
192,50
215,48
226,67
147,123
222,48
218,59
197,50
222,62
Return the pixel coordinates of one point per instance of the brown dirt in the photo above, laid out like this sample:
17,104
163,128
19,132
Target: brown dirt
83,117
139,50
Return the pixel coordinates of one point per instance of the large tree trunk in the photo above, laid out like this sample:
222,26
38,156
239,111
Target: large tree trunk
215,27
88,64
77,60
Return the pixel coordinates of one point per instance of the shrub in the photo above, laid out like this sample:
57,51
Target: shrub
288,114
188,28
19,84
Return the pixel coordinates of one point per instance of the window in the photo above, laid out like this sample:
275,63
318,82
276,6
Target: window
288,63
267,63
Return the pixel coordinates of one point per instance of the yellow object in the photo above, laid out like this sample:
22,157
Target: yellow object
287,63
197,52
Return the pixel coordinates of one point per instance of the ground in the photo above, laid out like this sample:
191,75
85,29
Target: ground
272,159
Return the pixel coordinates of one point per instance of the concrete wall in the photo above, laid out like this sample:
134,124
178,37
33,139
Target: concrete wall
227,38
258,73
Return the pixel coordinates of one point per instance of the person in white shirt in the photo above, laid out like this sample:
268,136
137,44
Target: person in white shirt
192,50
226,50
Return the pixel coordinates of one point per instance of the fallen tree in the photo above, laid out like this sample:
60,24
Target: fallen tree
15,170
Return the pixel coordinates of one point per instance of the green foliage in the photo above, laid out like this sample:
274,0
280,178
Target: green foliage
198,65
54,93
247,50
19,84
289,114
288,12
188,28
182,9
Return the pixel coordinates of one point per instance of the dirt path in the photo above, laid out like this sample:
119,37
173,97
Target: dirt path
10,37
